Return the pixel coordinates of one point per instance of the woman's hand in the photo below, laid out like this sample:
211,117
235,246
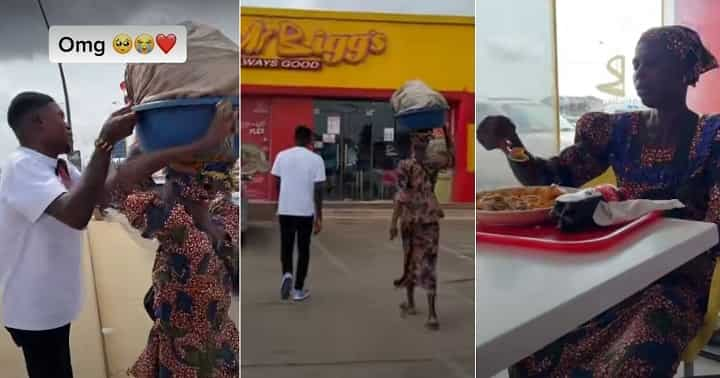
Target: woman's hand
393,232
317,227
498,132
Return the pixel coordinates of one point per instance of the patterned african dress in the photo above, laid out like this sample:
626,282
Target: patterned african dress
420,213
644,335
192,336
226,213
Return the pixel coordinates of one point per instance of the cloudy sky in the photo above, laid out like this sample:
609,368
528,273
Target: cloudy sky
92,88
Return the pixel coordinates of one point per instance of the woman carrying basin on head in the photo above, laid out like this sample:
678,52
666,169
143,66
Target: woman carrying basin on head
420,109
664,153
197,259
418,212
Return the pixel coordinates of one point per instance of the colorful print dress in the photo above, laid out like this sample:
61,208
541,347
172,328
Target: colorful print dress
193,336
644,335
420,213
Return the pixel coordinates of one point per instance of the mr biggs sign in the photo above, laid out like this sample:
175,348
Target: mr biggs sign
287,64
295,49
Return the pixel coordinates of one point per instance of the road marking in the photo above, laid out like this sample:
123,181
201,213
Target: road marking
336,363
365,218
455,367
457,370
459,280
454,293
334,260
455,253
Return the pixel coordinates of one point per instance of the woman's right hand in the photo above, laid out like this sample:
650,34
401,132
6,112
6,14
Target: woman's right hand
497,132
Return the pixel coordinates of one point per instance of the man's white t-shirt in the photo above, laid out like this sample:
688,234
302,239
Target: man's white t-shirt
40,257
299,169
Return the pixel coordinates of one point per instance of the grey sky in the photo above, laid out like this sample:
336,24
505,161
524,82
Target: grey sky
512,49
92,88
445,7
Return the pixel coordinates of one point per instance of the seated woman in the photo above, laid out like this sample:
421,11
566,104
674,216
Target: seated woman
196,262
667,152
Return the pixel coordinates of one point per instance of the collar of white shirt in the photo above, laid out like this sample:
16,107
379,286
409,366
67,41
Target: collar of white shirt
50,162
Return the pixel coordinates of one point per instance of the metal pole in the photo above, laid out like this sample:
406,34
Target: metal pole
556,72
62,73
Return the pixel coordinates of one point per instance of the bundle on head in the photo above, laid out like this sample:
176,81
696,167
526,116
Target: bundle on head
211,70
176,102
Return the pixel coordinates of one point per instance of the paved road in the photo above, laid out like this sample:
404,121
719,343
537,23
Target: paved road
351,327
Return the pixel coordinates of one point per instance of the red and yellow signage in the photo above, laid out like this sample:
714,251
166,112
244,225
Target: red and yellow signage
295,56
356,50
297,48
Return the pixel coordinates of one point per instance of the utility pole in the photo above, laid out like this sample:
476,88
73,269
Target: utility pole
62,72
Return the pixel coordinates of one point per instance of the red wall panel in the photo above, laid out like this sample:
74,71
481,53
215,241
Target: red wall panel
463,189
287,113
703,16
255,129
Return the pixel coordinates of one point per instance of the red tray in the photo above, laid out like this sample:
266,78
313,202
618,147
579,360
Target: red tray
549,237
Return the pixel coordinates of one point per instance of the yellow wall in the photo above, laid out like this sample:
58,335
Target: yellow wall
436,49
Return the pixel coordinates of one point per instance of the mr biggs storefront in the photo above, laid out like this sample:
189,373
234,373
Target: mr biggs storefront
335,73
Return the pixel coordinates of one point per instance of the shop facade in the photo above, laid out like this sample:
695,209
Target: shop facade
335,72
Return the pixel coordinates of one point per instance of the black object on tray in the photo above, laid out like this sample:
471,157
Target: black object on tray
603,206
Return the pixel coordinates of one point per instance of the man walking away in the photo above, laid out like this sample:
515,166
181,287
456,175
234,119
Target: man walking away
300,175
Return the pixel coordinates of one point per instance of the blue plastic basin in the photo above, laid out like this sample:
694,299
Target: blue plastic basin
171,123
423,119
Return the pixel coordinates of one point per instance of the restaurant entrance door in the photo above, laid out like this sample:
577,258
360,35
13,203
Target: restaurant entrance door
356,141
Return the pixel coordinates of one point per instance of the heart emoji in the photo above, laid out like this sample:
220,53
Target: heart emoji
165,42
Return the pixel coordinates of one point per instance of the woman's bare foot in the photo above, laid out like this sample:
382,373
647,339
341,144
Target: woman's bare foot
406,309
432,324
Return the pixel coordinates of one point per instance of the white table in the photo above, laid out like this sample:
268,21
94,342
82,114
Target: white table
525,300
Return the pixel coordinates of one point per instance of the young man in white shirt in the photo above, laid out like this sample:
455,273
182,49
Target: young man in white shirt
44,204
300,175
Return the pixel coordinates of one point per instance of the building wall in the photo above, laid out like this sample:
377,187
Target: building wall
363,56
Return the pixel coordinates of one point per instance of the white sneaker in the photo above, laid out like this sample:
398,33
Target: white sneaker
286,285
300,295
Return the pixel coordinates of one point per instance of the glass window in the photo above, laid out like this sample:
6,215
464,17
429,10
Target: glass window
515,77
596,45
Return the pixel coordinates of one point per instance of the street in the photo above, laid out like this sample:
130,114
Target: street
351,325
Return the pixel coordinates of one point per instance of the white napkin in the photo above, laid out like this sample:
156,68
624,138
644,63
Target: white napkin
612,212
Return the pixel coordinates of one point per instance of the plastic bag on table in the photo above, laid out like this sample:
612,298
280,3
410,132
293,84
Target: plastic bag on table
603,206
